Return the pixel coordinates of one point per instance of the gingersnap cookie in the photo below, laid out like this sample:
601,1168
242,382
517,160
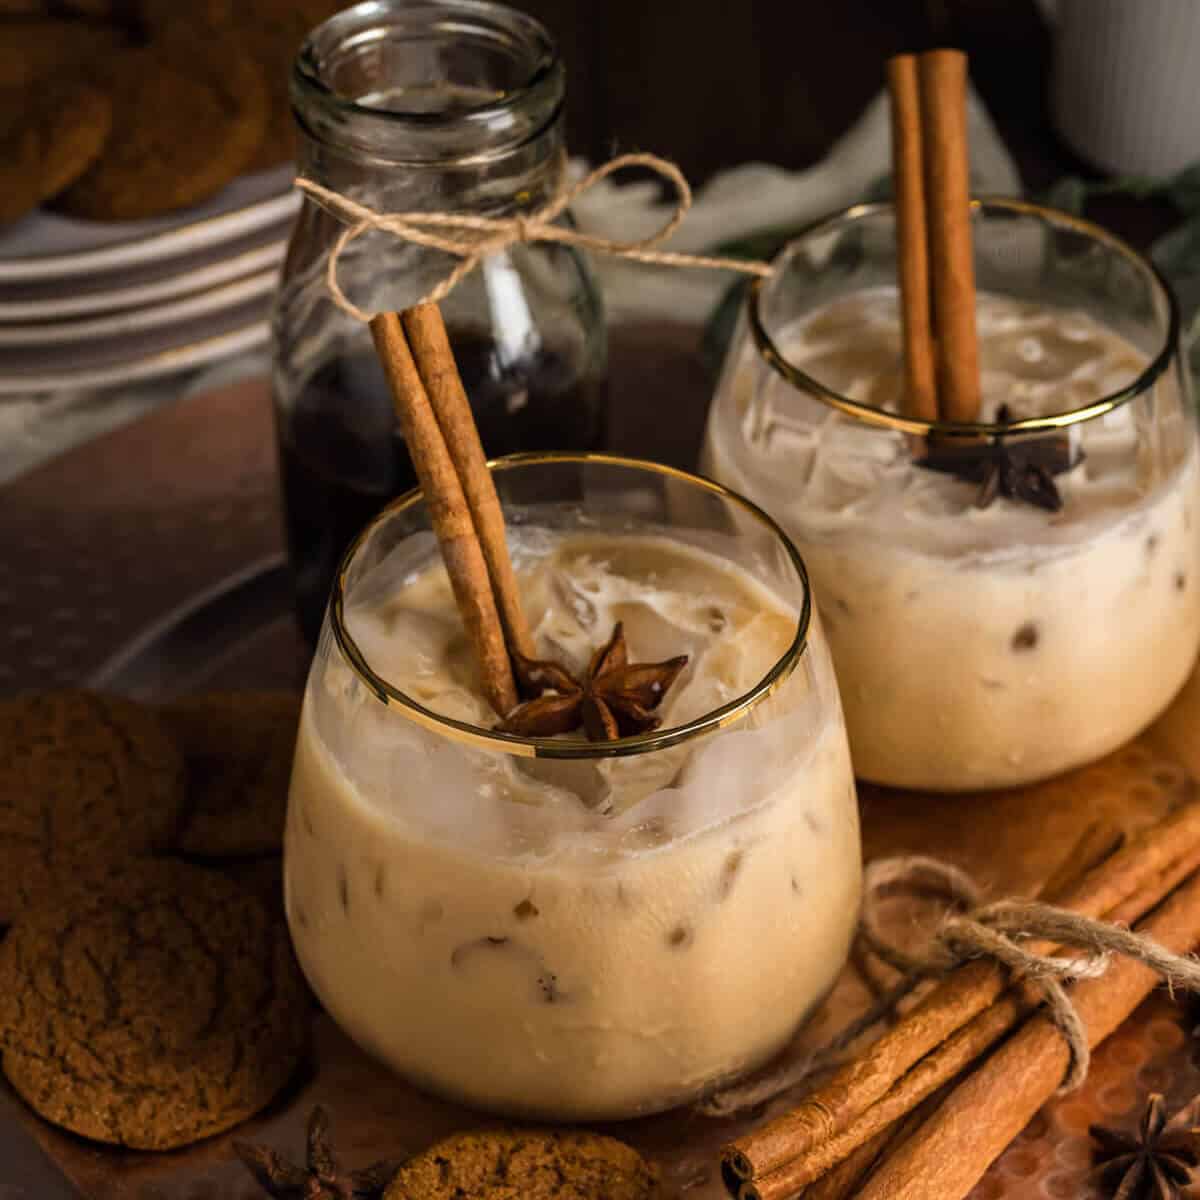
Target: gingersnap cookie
20,186
271,32
149,1009
73,120
261,877
526,1165
238,749
48,138
33,50
84,779
187,119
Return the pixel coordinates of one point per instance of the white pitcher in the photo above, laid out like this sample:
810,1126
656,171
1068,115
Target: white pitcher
1125,93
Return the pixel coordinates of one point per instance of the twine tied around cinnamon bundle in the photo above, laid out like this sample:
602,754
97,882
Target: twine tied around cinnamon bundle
471,238
976,930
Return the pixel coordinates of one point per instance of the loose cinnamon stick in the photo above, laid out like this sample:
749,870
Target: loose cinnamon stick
1098,843
1153,859
908,173
948,1060
848,1176
449,513
969,1130
435,361
943,93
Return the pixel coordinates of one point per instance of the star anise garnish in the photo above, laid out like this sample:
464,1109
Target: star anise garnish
321,1178
1023,469
613,699
1155,1163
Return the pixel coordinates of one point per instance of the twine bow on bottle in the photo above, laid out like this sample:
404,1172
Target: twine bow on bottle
471,238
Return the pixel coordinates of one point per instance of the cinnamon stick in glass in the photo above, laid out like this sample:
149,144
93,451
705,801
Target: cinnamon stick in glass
435,361
908,174
449,512
943,94
951,1151
1154,858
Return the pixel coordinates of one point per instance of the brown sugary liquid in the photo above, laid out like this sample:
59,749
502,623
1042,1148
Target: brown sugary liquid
341,456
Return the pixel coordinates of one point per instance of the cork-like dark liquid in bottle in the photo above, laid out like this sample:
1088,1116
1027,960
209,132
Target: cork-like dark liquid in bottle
342,457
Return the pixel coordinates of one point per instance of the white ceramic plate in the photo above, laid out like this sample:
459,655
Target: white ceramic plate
207,303
45,246
194,274
138,356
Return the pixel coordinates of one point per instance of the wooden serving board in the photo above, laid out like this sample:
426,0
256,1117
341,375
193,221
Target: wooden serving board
1009,841
206,466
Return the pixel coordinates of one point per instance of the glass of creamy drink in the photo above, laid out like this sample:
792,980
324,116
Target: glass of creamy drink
1027,600
554,927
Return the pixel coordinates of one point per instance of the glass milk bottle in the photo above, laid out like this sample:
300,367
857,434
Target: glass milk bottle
407,106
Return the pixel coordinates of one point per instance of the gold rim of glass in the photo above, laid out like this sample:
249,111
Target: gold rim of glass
531,747
924,428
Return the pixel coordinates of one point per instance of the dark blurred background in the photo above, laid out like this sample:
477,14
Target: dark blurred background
713,83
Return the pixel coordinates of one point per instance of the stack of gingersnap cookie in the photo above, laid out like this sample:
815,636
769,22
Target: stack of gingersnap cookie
149,996
125,109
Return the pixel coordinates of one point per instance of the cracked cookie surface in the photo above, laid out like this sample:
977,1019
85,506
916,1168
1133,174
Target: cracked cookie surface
150,1009
238,749
526,1165
188,117
85,779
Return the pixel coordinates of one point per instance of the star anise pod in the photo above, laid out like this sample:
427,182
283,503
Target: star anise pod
1023,469
1155,1163
613,699
321,1178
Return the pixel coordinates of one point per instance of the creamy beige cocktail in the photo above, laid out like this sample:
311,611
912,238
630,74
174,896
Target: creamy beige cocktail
980,646
589,936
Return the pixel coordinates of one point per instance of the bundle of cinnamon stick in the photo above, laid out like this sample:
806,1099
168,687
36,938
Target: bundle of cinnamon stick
945,1145
933,230
443,442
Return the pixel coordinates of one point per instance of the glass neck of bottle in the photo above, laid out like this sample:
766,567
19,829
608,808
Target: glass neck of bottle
408,106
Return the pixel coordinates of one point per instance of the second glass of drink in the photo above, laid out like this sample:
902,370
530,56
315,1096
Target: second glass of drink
1006,599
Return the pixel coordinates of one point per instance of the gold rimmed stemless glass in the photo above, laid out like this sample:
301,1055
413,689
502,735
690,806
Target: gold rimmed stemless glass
554,927
980,639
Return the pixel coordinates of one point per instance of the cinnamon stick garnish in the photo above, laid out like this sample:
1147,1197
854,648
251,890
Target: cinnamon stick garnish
1152,864
449,512
435,361
908,173
970,1129
943,95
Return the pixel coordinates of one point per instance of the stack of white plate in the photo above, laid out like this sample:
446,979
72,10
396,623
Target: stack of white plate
89,305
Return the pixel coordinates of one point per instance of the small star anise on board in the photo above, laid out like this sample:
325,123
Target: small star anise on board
1021,470
613,699
1155,1163
321,1178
